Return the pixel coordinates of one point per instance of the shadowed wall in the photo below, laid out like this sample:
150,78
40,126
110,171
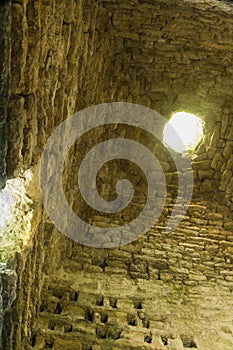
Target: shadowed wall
163,291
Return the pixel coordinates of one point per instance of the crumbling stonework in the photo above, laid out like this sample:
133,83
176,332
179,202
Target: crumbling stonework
163,291
5,19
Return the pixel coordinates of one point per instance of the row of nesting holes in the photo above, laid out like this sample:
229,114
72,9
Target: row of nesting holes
49,344
187,340
132,320
73,296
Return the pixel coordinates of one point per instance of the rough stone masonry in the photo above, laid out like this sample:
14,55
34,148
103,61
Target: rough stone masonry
161,292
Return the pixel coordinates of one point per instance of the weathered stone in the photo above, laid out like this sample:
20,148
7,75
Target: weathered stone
67,344
205,174
5,28
157,291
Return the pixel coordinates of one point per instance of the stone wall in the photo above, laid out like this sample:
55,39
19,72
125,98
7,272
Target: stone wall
53,53
163,291
4,92
52,46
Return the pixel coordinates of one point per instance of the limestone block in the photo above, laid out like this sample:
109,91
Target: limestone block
61,344
205,174
73,311
228,149
197,277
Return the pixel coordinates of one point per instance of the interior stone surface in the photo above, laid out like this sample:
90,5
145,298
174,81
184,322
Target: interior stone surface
163,291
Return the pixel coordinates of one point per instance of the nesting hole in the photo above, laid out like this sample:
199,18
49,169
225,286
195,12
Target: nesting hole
58,309
33,341
74,296
89,315
51,325
117,334
43,306
188,341
104,318
132,320
113,333
148,339
137,304
101,332
146,323
48,344
100,300
68,328
113,302
164,340
58,292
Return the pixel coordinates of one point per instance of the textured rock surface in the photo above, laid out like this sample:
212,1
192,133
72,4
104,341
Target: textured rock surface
4,88
162,291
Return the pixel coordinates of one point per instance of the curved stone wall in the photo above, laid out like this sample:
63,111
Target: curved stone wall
163,291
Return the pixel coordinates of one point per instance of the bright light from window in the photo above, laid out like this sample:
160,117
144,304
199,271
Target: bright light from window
15,215
189,129
7,202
